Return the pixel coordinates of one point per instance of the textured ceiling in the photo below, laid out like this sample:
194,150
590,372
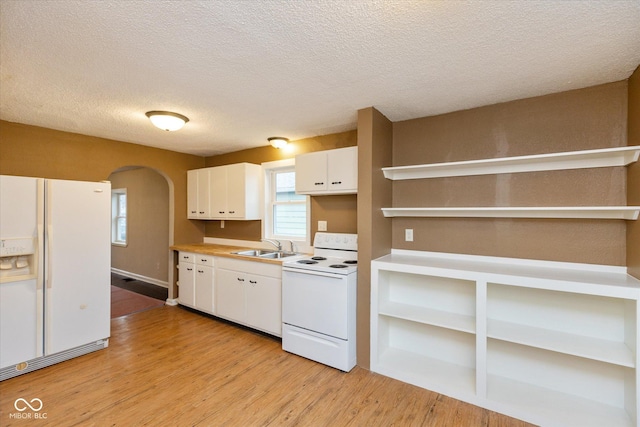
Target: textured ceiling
246,70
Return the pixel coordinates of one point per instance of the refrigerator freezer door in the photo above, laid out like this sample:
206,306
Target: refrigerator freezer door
77,271
21,314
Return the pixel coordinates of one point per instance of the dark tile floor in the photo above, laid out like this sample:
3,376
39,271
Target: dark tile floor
140,287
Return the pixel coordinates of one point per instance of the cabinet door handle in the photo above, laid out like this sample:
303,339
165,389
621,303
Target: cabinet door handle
240,280
202,212
200,271
220,212
253,281
189,269
232,212
193,211
336,182
318,183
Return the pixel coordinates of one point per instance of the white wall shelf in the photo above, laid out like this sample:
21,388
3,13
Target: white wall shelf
606,157
572,212
547,342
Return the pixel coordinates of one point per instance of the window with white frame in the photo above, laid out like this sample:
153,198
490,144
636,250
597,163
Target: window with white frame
119,216
286,213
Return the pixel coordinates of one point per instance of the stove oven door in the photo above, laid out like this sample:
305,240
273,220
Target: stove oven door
315,301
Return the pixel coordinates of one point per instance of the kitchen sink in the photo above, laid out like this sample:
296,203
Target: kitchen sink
278,255
255,252
262,253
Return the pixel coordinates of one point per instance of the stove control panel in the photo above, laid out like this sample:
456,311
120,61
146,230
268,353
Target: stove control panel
343,241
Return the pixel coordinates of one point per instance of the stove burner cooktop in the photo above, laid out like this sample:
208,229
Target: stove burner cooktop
351,261
307,261
318,258
338,266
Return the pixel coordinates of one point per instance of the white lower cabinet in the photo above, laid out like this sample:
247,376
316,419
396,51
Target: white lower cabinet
186,279
205,283
549,343
250,293
230,295
196,281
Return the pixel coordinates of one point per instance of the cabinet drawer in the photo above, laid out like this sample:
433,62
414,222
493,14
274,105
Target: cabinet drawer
251,267
186,257
203,259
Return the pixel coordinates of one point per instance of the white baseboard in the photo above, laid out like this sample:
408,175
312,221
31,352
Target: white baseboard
140,277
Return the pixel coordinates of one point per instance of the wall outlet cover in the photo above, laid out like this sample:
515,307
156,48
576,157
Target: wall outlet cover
322,225
408,235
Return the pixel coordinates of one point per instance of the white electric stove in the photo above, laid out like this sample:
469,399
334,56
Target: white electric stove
319,302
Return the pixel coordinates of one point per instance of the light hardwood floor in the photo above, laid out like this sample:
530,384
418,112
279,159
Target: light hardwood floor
172,367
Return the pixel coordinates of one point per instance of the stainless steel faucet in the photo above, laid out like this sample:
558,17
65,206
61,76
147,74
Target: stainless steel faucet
274,242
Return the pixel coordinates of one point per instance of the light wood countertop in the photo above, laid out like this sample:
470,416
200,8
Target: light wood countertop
225,251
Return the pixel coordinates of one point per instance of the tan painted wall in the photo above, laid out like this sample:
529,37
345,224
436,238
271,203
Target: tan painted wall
338,211
35,151
577,120
147,224
633,175
374,230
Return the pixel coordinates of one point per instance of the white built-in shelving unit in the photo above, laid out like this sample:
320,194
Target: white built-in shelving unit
550,343
606,157
547,342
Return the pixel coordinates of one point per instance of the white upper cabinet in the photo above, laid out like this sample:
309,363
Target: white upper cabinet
198,194
243,191
218,191
225,192
328,172
192,194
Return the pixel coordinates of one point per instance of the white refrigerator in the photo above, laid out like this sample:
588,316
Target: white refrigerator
55,261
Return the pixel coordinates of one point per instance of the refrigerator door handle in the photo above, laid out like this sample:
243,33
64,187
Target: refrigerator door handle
40,236
49,236
40,312
48,263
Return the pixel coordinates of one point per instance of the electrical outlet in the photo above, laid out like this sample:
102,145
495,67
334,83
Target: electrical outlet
408,235
322,225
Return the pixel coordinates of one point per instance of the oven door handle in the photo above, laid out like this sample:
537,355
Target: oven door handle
312,272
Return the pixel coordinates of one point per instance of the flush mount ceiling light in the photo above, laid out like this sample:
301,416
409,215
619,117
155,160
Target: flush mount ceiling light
278,141
167,120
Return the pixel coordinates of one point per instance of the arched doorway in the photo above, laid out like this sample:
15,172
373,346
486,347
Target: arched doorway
145,255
